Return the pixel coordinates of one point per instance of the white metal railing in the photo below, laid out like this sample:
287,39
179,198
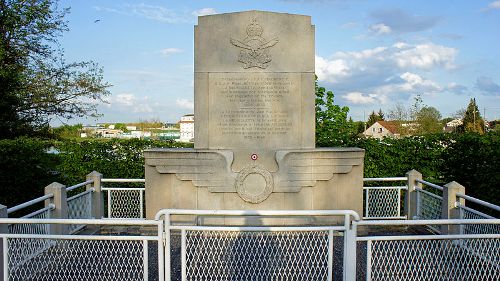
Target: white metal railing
30,203
224,250
81,257
384,202
124,202
469,213
73,187
429,205
80,207
43,213
284,245
432,257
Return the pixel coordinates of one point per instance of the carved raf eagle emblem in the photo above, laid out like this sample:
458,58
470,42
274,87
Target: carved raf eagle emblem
254,47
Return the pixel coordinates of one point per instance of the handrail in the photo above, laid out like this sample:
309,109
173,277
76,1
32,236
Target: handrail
122,188
80,221
123,180
386,179
80,194
478,201
475,212
427,222
438,187
50,207
29,203
69,188
258,213
428,193
404,187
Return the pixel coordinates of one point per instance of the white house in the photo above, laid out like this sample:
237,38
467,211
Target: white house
187,128
381,129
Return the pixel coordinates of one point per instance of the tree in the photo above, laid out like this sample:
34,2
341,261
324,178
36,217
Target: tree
472,121
428,120
374,117
332,125
381,114
36,83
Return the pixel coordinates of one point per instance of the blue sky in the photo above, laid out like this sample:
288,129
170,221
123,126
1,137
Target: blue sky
371,54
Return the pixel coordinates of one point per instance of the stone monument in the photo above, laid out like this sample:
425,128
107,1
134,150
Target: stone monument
254,125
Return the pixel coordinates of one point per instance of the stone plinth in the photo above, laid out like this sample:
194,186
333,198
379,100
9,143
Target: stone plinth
254,125
328,178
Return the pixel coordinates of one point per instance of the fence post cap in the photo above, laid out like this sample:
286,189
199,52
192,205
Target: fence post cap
55,185
94,174
413,173
454,184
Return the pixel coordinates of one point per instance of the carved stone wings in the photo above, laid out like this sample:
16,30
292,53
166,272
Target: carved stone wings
211,169
301,168
297,168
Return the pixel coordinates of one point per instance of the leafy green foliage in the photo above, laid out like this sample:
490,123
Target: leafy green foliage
374,117
25,169
428,120
472,121
395,157
28,165
332,125
67,131
473,160
36,82
114,158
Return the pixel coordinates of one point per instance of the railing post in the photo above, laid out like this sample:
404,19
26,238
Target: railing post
411,193
449,208
4,228
61,206
350,250
97,201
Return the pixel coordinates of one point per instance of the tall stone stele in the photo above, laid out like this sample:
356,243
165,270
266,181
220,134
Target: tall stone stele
254,125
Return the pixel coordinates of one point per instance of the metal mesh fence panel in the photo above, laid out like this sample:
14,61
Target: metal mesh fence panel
32,228
231,255
430,206
383,203
459,259
477,228
79,207
125,203
76,260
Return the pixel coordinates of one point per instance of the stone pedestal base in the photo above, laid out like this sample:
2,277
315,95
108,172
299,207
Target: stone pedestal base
309,179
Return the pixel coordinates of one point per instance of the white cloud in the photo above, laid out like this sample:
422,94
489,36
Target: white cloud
388,61
170,51
380,28
494,5
331,70
157,12
204,12
130,102
426,56
387,73
360,98
416,82
185,104
124,99
398,21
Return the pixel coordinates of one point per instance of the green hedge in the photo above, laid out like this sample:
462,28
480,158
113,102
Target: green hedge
470,159
25,168
114,158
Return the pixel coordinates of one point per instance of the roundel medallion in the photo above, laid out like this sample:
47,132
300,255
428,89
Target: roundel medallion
254,184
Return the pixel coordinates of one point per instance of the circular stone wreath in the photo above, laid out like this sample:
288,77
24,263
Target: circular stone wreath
248,195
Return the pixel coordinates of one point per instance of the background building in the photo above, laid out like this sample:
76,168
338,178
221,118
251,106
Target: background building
187,128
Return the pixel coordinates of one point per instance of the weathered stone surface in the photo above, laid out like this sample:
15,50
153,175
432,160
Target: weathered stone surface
254,126
254,81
